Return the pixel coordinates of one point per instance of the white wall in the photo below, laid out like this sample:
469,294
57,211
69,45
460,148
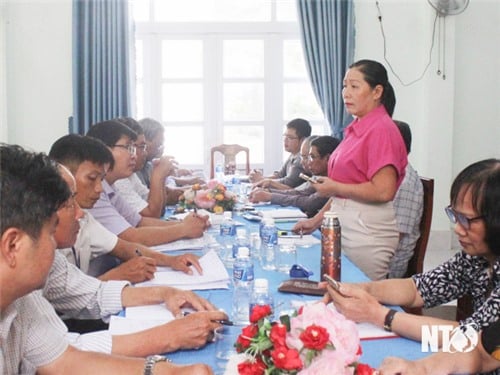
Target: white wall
3,73
38,66
454,121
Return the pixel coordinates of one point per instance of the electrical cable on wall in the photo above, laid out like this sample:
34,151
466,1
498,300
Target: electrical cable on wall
385,49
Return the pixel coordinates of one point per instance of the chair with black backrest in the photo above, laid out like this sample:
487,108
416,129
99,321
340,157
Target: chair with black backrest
416,263
229,152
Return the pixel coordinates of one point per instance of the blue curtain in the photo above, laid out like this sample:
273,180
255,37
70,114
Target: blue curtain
327,30
101,77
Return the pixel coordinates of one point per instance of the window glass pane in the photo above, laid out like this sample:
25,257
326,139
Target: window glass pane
139,59
212,10
182,58
139,94
293,60
286,10
299,101
248,136
243,58
182,102
320,130
243,101
140,10
185,143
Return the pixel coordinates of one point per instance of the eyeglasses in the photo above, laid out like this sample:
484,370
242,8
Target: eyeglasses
143,147
289,137
457,217
130,148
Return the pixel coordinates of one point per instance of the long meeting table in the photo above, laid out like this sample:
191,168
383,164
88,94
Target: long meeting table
374,350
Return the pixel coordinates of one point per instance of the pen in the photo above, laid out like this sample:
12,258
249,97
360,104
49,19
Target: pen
138,253
224,322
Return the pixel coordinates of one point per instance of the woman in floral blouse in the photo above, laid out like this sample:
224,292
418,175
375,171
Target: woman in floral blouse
475,211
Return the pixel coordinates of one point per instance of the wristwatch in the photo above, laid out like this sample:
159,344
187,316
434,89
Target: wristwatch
151,362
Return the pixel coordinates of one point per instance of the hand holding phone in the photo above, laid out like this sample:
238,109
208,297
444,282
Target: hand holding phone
312,180
333,283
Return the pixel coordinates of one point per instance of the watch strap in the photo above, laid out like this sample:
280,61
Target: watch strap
388,320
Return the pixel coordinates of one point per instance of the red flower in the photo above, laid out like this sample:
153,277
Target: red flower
252,368
244,340
363,369
259,312
278,335
286,359
315,337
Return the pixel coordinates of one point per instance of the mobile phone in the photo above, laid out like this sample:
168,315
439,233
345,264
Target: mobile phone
303,176
332,282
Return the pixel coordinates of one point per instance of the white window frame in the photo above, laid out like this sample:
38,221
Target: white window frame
213,35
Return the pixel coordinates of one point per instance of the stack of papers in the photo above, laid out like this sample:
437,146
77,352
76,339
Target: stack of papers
284,214
215,275
189,244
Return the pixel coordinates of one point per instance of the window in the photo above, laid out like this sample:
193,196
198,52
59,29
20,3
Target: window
222,71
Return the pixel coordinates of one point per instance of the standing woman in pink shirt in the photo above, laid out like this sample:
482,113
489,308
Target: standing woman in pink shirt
365,171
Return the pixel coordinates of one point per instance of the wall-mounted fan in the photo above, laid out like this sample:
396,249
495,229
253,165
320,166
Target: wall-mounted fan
449,7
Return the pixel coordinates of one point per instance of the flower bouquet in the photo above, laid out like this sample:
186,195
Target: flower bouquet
213,197
317,340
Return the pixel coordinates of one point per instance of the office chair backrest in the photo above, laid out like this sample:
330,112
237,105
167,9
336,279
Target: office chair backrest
416,263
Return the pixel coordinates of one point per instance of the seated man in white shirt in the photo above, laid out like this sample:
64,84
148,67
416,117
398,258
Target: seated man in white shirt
32,339
112,211
88,159
148,202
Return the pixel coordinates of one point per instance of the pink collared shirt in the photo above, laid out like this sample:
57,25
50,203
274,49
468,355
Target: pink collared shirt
369,145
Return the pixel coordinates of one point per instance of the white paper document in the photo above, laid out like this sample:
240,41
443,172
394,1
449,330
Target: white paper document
119,325
284,213
189,244
215,275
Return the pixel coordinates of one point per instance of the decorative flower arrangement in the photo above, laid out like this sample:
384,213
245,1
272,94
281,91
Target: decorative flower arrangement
318,340
213,197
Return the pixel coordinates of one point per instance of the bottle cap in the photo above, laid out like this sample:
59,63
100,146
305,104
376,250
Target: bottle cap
330,214
243,252
241,232
261,285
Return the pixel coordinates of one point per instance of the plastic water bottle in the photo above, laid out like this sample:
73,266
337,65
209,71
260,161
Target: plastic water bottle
219,173
269,242
261,296
243,286
241,240
226,236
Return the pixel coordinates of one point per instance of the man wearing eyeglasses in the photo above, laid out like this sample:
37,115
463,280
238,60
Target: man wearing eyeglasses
296,131
149,202
112,211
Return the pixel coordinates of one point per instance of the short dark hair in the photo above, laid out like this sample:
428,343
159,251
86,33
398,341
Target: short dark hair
325,144
131,123
375,74
73,149
31,188
110,132
405,131
482,180
301,126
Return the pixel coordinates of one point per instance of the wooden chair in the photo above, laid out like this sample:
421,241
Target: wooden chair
416,263
229,152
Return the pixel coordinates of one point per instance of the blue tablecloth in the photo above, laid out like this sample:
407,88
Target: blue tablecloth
374,351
